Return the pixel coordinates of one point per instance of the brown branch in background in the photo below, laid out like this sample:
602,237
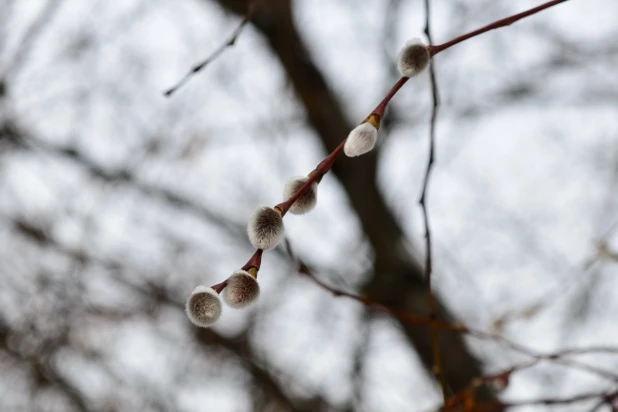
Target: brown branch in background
207,338
218,51
32,35
501,379
38,235
410,318
416,320
433,50
611,401
431,301
43,367
583,273
19,136
605,398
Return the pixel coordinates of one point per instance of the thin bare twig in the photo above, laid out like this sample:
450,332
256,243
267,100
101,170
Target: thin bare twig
431,301
217,52
417,320
433,50
22,138
611,400
606,397
410,318
37,234
33,34
504,376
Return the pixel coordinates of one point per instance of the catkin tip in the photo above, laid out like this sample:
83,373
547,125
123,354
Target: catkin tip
307,201
203,307
265,228
361,140
413,58
242,289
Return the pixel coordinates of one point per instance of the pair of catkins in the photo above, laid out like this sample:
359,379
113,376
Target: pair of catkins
265,231
265,228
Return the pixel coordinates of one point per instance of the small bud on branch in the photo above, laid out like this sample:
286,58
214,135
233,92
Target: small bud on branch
307,200
242,289
203,306
265,228
363,137
413,58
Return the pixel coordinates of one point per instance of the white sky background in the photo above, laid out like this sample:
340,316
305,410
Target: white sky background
522,191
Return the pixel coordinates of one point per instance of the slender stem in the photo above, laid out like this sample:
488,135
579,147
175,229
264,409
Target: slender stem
411,318
417,320
431,300
506,373
327,163
219,286
380,108
433,50
607,397
316,175
255,261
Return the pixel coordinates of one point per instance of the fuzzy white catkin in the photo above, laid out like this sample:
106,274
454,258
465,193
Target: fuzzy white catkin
307,201
265,228
242,289
203,306
413,58
361,140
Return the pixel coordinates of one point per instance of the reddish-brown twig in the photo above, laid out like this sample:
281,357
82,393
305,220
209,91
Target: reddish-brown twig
605,397
325,165
417,320
407,317
504,376
433,50
255,261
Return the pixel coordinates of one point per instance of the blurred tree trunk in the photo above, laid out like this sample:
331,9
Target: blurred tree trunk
398,279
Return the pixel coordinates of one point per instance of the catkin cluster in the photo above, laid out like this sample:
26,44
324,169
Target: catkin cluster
265,228
265,231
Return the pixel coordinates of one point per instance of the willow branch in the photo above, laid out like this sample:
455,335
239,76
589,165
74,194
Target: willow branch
325,165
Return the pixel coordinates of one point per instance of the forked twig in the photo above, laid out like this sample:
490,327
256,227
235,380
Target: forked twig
417,320
218,51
